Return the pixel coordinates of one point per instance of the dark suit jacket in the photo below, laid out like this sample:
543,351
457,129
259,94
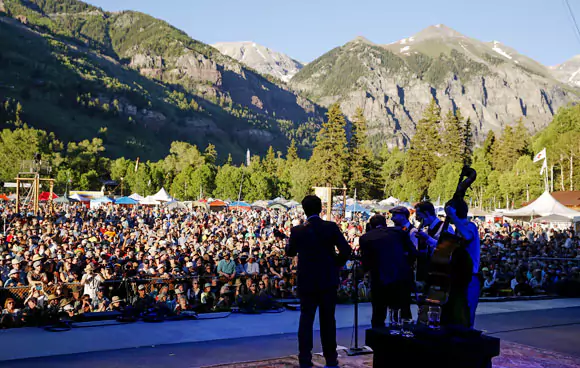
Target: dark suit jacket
385,253
318,263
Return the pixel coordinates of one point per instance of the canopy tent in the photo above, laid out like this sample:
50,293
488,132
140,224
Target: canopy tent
217,205
12,197
162,196
476,212
136,197
98,202
292,204
45,196
102,200
545,205
173,205
553,219
391,201
262,204
357,208
149,201
80,198
62,199
128,201
200,204
278,206
240,205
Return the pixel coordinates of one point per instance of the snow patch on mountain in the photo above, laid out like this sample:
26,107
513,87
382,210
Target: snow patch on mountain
497,49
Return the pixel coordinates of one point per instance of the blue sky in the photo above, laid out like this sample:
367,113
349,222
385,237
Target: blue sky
541,29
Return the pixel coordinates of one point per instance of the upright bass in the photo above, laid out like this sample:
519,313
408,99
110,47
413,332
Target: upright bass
450,268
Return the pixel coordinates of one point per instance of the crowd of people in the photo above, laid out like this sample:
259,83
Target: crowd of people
76,260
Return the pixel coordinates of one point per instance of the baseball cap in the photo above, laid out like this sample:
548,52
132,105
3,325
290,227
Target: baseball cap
400,209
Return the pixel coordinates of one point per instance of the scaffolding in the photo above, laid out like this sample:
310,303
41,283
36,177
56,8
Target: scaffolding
28,183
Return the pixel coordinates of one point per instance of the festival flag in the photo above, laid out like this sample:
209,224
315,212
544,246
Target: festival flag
540,156
544,167
137,164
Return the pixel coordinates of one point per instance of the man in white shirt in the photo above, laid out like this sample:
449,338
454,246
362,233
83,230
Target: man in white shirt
251,267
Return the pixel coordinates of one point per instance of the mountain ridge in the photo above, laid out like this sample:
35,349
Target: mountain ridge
197,88
261,58
491,83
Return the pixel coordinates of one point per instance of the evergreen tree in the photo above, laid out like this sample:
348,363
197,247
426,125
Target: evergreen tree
452,140
514,142
292,152
392,170
210,155
363,172
227,182
488,145
422,161
269,162
330,154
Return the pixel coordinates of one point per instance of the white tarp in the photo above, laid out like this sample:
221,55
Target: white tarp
545,205
136,197
391,201
162,196
149,200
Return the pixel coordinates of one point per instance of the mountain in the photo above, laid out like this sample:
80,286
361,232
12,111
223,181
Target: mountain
568,72
491,83
139,83
261,58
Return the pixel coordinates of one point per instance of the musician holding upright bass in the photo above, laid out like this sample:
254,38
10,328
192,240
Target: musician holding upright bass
456,210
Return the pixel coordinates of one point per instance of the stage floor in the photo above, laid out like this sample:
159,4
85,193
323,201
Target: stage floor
530,338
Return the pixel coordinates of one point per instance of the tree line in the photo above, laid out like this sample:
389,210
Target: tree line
428,168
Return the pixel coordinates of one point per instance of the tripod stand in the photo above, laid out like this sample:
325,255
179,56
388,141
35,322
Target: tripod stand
356,350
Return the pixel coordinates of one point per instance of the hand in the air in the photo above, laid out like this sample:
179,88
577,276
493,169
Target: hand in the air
450,211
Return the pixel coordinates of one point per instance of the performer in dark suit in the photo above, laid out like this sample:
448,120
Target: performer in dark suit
400,216
318,277
384,254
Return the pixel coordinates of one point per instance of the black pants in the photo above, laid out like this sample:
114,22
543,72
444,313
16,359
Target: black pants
394,295
309,302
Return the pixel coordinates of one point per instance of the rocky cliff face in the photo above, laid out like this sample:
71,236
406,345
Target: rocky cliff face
492,84
263,59
568,72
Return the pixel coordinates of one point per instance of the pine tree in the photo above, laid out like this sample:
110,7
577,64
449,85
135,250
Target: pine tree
292,153
512,144
269,162
452,138
329,157
422,161
488,144
467,142
210,154
363,172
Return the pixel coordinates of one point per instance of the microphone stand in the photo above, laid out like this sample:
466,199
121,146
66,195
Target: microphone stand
356,350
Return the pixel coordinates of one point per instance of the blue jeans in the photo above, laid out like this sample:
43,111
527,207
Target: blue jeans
473,298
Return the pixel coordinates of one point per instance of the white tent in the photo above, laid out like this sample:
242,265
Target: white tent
545,205
391,201
149,200
136,197
162,196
